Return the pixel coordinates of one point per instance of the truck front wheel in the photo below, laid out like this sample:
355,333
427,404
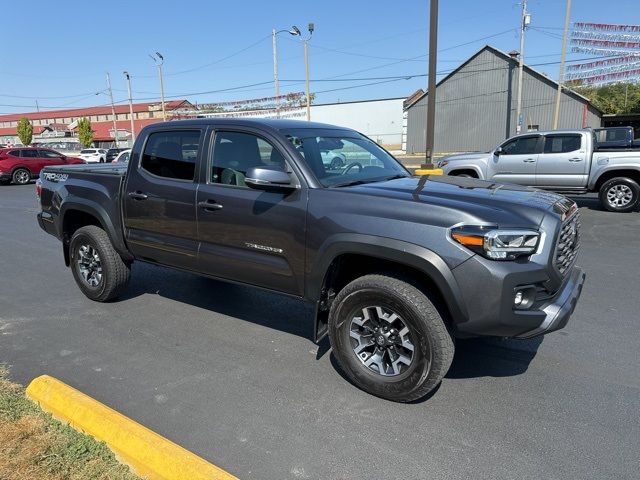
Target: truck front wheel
620,194
389,338
97,268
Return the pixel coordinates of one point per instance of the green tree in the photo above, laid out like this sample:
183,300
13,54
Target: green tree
614,98
85,133
25,131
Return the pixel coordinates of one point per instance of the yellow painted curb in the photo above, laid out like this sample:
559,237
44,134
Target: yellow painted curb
429,171
147,453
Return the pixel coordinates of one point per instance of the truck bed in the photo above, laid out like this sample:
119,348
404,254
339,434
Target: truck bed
117,169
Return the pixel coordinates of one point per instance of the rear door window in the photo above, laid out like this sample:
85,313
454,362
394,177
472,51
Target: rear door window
14,153
29,153
562,143
172,154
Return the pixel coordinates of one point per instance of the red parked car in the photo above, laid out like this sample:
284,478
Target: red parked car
20,165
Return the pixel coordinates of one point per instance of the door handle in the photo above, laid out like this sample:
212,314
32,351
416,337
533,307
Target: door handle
209,205
138,195
529,160
575,159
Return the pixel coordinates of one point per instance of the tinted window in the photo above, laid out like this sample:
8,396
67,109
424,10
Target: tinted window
87,151
562,143
14,153
172,154
29,153
520,146
234,153
49,154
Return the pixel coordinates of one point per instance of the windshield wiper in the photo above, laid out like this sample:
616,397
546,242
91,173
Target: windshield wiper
370,180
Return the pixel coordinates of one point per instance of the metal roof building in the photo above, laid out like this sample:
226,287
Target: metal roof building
476,106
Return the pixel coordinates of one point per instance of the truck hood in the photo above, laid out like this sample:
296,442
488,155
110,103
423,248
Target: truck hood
467,156
456,199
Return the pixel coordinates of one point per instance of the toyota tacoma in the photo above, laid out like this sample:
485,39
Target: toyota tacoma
396,266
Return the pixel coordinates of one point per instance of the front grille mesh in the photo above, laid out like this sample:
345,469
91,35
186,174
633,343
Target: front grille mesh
568,245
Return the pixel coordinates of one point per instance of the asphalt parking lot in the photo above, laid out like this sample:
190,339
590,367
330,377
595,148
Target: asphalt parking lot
231,373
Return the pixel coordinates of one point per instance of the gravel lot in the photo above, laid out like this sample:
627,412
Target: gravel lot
231,374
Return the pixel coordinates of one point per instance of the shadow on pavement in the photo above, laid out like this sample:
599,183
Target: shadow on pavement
493,357
261,307
473,358
590,202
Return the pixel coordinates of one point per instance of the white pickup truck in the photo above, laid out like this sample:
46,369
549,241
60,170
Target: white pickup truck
567,161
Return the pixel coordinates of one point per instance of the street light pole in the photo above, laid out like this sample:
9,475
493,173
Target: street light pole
556,112
113,111
524,21
133,133
159,64
274,45
431,89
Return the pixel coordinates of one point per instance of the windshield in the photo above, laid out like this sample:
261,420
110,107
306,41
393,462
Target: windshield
88,151
342,157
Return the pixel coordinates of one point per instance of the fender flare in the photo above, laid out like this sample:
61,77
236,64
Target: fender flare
398,251
96,210
612,168
475,168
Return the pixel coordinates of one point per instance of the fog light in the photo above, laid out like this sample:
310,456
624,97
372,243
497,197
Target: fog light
517,301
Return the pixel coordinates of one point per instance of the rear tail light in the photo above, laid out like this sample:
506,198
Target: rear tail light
38,188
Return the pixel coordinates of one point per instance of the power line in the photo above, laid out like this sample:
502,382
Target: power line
207,65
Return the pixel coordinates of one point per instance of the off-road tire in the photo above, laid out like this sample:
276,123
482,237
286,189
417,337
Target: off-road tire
115,272
629,185
433,343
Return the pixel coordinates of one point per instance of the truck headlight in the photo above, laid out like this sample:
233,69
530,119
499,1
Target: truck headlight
495,243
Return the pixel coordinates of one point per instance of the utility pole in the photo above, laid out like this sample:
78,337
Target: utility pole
431,89
113,110
563,54
133,133
38,106
524,21
275,71
311,27
306,78
159,61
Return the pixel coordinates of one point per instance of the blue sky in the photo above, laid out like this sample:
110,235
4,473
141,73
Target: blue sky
63,49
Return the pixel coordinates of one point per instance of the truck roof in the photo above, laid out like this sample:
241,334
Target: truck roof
272,123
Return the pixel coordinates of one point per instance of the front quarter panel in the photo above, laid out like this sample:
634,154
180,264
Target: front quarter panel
478,165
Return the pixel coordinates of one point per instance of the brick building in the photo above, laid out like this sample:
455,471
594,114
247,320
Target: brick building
58,128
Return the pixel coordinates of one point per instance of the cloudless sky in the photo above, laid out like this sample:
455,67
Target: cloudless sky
63,48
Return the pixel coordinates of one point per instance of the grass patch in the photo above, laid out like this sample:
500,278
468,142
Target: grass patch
35,446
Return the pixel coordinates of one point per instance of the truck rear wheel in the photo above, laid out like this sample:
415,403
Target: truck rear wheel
389,338
97,268
620,194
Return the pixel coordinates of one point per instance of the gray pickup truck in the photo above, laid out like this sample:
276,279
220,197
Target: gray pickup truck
568,161
396,266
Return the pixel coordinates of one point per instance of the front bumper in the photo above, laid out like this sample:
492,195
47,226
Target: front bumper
558,311
5,177
489,289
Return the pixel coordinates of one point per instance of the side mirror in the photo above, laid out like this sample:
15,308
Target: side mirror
498,151
271,177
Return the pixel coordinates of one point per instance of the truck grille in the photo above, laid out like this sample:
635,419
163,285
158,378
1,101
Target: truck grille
568,245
